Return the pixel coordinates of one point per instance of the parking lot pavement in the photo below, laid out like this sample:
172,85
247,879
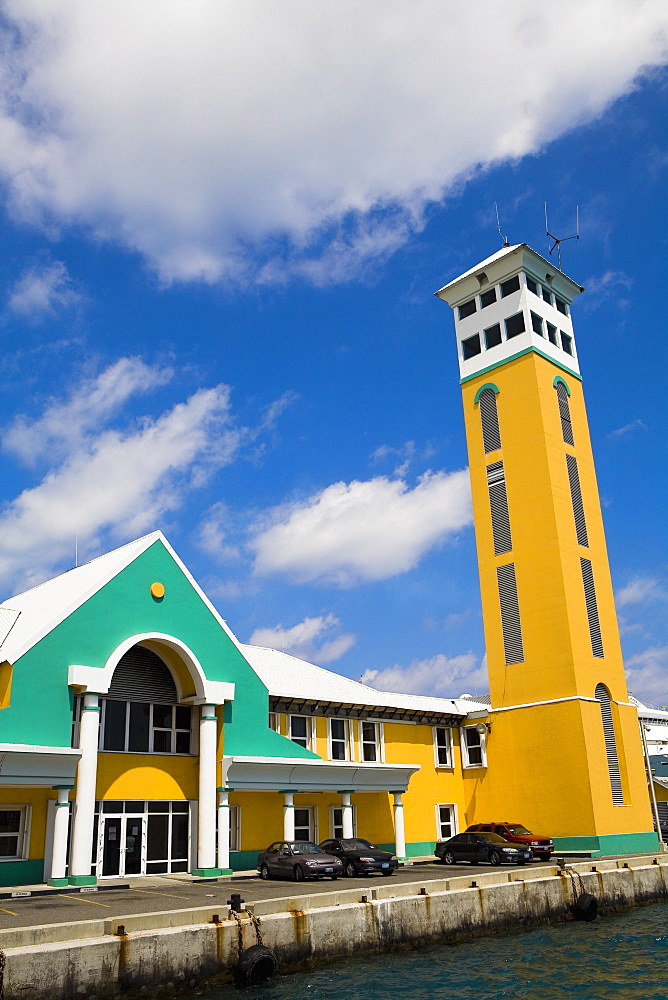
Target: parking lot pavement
148,895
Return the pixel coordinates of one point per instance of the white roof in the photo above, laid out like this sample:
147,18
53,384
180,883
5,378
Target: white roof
503,252
288,677
28,617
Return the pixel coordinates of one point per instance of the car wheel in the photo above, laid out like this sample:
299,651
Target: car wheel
545,857
298,873
391,872
494,858
334,877
449,858
521,862
351,871
264,872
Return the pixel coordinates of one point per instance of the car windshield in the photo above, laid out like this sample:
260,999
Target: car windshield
492,838
306,848
356,845
518,830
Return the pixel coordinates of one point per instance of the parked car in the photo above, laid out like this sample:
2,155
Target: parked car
359,857
297,859
476,847
515,833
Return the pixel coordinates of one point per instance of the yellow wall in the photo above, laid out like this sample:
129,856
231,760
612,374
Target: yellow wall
140,776
37,798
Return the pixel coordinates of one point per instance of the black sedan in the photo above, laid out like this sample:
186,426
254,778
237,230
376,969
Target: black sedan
359,857
476,847
297,859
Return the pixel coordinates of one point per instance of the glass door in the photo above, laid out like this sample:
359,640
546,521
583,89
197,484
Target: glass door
132,862
110,834
122,841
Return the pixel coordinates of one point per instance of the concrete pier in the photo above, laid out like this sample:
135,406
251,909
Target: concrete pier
179,948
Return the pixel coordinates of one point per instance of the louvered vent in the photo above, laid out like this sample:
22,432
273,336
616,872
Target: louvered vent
565,413
498,503
510,614
603,698
490,421
592,607
141,675
576,497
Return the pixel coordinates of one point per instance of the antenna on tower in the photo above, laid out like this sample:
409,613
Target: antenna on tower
498,226
557,242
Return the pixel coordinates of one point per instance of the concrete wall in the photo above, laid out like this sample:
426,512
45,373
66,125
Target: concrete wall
178,948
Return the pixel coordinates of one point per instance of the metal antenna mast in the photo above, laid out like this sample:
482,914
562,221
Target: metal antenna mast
498,226
557,242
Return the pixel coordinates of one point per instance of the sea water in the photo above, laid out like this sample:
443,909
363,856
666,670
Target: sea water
620,957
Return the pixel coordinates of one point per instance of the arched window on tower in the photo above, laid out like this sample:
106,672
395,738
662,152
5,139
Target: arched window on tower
603,697
489,418
563,392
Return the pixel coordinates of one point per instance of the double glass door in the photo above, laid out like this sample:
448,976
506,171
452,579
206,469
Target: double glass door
122,845
141,838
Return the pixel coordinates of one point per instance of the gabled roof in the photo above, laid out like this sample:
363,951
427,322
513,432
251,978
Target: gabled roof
288,677
28,617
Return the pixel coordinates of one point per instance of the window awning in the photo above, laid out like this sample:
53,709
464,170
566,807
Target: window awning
291,775
21,764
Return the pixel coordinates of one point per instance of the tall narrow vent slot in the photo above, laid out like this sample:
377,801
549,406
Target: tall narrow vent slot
489,417
576,497
603,697
592,607
565,413
498,503
510,614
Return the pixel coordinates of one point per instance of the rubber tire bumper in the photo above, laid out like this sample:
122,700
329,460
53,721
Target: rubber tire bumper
256,965
586,907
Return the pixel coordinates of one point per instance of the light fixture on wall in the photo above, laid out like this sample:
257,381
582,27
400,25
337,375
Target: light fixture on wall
483,728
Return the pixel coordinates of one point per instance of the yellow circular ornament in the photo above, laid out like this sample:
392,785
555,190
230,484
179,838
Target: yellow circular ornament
158,589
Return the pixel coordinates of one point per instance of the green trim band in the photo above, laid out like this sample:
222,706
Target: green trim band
58,788
487,385
223,788
224,805
513,357
91,708
557,379
206,872
62,805
208,718
82,880
58,883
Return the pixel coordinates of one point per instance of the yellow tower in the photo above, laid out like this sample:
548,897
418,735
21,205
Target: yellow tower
564,754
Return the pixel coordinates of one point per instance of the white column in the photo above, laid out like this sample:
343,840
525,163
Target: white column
84,809
288,816
206,830
399,831
60,828
223,829
347,810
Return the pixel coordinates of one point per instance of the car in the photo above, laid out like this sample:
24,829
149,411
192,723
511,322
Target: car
476,847
297,859
516,833
359,857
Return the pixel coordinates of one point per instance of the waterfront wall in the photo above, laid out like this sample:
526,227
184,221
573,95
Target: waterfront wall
179,948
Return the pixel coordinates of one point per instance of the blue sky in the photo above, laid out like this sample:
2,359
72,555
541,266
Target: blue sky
221,234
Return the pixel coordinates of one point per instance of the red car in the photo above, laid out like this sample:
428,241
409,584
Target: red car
515,833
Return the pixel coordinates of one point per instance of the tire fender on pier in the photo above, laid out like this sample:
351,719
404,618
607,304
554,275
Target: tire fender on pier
256,965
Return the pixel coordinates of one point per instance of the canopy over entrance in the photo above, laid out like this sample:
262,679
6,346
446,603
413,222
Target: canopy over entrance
288,774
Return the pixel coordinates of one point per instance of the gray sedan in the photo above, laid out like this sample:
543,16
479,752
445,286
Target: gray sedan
299,860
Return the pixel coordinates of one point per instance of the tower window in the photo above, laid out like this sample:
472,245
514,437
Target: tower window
547,294
576,497
602,695
552,334
592,608
566,342
510,286
493,336
467,309
487,298
565,412
515,325
498,504
561,305
471,347
537,324
489,419
532,286
511,625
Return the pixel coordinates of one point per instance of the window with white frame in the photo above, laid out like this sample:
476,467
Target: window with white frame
140,727
13,832
473,747
371,736
305,823
443,746
274,722
336,822
235,828
301,730
339,739
446,821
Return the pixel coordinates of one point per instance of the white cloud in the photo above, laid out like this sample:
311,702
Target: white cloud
41,290
440,675
634,425
305,640
647,675
117,482
213,533
250,140
359,531
640,590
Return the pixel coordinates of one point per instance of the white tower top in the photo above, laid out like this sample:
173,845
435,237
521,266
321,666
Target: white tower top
508,305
